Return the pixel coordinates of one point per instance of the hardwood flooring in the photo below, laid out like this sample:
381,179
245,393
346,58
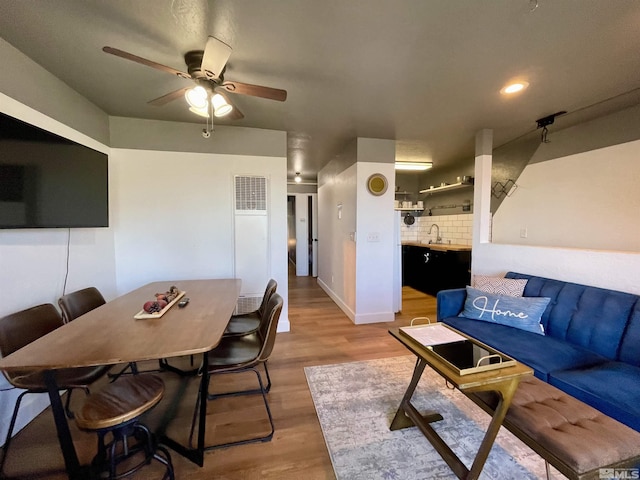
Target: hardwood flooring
320,334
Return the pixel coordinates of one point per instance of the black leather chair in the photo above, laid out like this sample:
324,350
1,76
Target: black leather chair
238,354
22,328
244,323
77,303
80,302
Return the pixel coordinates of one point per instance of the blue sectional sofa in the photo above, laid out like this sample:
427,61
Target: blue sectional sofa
591,345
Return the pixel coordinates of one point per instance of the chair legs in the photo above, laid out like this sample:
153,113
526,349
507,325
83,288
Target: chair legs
133,367
12,424
262,390
267,389
67,403
108,458
14,417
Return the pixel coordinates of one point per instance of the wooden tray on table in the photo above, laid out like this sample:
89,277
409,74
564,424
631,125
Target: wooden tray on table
141,315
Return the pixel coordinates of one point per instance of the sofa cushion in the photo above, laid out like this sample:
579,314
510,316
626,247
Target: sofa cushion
590,317
514,287
629,351
543,354
522,313
612,387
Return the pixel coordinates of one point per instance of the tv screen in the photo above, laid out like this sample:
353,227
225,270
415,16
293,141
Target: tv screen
47,181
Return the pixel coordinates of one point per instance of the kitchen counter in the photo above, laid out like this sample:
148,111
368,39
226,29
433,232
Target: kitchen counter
442,247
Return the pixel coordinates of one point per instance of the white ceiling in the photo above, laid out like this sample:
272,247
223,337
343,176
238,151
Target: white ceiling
426,73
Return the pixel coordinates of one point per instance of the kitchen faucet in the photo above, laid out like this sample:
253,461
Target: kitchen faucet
438,237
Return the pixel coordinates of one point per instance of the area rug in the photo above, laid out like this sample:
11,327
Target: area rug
356,402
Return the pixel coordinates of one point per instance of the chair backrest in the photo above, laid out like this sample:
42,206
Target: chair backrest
22,328
272,285
80,302
269,326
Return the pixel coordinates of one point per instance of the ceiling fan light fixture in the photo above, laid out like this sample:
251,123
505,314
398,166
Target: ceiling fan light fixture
417,166
220,106
197,98
200,111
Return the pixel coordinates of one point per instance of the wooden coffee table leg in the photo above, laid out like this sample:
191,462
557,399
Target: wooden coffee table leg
506,392
401,420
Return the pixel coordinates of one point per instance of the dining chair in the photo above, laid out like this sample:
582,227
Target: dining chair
115,412
244,323
237,354
21,328
76,304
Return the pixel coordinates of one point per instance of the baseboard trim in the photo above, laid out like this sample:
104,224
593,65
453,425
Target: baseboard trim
338,301
357,318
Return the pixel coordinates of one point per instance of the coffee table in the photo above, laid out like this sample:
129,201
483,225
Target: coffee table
502,380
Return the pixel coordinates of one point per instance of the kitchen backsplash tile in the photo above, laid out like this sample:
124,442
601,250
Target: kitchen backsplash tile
457,229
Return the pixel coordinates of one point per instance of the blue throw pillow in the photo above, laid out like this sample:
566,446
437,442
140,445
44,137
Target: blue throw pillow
518,312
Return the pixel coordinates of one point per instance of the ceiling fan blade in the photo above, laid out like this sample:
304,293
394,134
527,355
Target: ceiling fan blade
216,54
235,114
144,61
255,90
163,100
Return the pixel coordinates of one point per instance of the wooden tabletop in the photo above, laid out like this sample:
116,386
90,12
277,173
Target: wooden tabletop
109,334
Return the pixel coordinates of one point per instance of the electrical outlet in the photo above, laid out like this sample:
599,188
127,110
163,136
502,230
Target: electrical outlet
373,237
523,232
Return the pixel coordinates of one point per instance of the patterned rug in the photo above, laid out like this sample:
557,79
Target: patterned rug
356,402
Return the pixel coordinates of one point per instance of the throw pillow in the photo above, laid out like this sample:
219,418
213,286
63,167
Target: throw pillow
503,286
522,312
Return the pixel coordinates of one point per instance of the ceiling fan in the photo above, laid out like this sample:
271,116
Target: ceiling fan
206,68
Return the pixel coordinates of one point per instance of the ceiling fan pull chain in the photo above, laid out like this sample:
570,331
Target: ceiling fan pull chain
543,138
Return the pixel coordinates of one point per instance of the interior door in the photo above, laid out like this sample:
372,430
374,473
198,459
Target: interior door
313,198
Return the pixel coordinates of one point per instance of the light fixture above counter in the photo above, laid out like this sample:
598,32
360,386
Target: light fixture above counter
413,166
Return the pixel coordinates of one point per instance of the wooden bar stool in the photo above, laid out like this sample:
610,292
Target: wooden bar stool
116,409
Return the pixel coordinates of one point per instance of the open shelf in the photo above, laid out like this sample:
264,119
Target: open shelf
453,186
409,209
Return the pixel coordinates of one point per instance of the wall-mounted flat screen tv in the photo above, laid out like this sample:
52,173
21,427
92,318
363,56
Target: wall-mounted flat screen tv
47,181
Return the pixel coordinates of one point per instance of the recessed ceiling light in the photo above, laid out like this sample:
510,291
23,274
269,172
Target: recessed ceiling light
514,87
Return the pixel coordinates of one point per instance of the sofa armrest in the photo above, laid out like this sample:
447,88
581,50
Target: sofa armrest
450,303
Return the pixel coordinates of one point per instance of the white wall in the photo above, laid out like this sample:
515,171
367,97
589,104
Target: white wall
33,262
588,200
173,216
336,239
600,268
356,231
375,244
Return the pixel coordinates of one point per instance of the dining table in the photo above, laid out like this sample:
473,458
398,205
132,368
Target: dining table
110,335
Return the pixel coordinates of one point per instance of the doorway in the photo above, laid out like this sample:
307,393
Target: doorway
302,226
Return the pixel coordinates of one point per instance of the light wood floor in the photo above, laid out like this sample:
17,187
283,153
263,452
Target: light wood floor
320,334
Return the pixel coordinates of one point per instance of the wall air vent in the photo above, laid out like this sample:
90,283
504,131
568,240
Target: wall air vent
251,193
247,304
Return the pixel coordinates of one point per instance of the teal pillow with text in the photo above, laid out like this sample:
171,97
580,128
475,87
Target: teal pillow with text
518,312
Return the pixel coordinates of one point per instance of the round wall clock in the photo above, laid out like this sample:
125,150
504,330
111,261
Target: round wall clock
377,184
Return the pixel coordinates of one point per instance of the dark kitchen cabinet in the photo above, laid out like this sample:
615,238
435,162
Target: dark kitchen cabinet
431,270
411,260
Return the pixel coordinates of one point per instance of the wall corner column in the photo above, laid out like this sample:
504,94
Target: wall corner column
482,188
